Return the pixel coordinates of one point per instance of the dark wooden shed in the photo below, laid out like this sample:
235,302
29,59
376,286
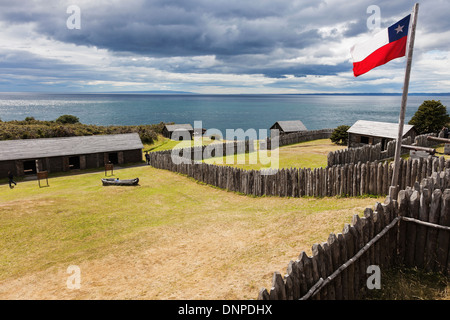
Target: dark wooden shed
180,129
28,156
372,132
291,126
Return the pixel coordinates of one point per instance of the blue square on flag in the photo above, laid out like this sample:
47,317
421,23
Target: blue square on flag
399,29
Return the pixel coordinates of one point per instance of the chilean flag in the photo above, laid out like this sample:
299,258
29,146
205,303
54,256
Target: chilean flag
385,46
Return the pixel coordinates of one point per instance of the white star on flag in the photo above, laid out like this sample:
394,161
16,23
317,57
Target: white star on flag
399,29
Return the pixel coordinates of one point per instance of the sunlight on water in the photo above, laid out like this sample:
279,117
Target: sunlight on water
215,111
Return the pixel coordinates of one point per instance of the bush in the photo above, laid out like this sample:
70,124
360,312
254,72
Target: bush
340,135
68,119
431,117
32,129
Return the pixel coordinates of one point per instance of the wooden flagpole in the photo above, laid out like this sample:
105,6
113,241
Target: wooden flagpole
401,121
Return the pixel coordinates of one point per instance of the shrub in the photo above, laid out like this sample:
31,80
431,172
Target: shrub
430,117
340,135
68,119
30,129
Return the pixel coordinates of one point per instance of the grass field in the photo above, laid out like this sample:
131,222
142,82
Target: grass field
169,238
163,143
310,154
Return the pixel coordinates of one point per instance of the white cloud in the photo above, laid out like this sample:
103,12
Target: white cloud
221,46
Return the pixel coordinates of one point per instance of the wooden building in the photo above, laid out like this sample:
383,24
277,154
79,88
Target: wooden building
372,132
28,156
286,127
180,129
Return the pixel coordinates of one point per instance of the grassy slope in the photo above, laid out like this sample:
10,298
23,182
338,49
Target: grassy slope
310,154
163,143
169,238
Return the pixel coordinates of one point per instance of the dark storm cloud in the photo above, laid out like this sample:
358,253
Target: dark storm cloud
244,37
188,28
198,27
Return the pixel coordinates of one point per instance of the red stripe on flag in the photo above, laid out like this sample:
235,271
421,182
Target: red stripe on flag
386,53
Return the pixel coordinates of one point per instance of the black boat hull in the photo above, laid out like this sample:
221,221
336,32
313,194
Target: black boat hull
116,182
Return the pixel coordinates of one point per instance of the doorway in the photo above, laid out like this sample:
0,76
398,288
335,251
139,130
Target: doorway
29,167
113,157
74,163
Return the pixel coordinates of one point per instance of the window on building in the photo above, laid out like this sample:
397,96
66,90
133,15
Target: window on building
364,139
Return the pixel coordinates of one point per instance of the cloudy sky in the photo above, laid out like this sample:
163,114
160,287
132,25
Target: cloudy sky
212,46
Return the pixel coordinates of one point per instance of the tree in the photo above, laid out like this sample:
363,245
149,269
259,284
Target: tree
340,135
431,117
68,119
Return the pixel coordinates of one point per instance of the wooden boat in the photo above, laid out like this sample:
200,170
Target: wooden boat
118,182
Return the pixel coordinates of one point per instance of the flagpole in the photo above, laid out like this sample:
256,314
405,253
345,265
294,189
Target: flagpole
401,121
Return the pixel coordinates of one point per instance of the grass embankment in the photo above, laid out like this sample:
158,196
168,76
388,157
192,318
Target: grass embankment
169,238
310,154
31,128
161,144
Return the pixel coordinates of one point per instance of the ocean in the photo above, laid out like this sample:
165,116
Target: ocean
215,111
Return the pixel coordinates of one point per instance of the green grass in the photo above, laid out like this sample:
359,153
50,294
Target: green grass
310,154
78,221
411,284
163,143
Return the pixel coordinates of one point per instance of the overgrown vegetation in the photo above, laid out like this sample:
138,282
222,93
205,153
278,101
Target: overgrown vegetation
69,126
430,117
411,284
340,135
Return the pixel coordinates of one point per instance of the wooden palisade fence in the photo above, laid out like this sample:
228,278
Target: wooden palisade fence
412,230
302,136
344,180
370,153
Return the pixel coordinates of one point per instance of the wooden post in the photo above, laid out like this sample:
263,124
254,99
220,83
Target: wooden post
328,260
443,240
109,167
42,175
278,291
318,254
401,121
334,251
349,244
411,229
307,269
421,230
435,209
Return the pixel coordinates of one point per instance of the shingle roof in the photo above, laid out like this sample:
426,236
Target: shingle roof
54,147
173,127
291,126
378,129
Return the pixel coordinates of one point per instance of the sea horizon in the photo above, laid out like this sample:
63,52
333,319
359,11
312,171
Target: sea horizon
169,92
215,111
